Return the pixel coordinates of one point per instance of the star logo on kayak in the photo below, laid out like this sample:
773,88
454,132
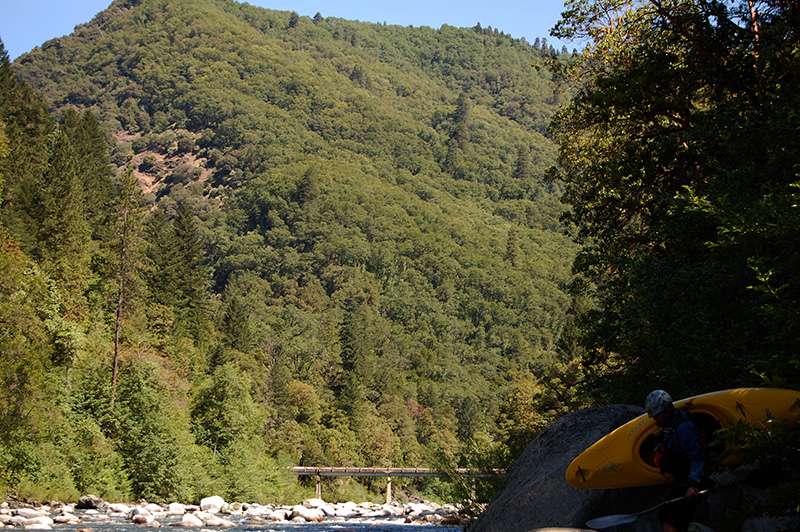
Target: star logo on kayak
611,465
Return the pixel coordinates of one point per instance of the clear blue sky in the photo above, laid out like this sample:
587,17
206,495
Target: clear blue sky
25,24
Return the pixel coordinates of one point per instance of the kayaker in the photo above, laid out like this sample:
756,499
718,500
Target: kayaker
681,455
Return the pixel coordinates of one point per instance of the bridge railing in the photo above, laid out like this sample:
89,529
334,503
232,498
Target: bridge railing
387,472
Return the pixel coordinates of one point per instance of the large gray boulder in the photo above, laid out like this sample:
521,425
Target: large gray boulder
91,502
535,494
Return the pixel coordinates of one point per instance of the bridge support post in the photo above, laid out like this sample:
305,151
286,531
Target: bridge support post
388,490
319,486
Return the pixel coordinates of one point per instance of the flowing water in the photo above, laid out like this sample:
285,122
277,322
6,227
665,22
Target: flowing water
245,525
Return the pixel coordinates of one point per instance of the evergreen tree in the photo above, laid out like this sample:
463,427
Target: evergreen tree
191,277
461,121
96,173
163,271
513,250
146,436
236,325
355,352
522,166
27,125
59,210
294,19
127,250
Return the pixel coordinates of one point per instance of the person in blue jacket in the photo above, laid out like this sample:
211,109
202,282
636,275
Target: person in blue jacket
681,455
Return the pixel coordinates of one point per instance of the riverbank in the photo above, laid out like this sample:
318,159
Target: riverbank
214,512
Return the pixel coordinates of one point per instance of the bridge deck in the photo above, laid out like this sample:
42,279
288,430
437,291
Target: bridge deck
389,472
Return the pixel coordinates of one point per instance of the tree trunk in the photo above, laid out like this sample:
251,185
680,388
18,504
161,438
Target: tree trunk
118,325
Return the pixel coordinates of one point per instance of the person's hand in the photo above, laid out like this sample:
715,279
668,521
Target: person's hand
691,493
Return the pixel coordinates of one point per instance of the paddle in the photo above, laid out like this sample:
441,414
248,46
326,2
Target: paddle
609,521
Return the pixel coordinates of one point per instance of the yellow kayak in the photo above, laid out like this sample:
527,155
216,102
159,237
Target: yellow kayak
624,458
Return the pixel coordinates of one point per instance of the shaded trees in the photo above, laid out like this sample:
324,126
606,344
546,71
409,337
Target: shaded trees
177,279
680,135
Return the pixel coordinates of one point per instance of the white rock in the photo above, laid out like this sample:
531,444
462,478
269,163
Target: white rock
119,508
393,509
138,510
143,519
41,520
189,520
347,509
328,510
314,503
212,502
175,508
204,516
219,522
311,515
38,527
66,518
416,508
233,508
319,504
29,513
96,517
154,508
256,511
378,512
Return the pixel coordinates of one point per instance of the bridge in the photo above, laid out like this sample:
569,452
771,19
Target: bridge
388,472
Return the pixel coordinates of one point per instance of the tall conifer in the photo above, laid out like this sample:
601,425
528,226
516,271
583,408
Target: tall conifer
191,275
127,248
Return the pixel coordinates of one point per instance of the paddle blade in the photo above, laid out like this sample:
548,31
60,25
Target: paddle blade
610,521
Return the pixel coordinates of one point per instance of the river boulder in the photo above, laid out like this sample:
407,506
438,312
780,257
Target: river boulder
91,502
535,494
302,513
189,521
212,504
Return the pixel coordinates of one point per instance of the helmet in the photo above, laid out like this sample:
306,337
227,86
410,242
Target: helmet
658,401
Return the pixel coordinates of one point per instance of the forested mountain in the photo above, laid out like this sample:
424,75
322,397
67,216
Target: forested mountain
236,239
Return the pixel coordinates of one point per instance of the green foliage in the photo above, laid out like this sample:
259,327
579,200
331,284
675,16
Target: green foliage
223,410
679,158
141,427
772,456
348,255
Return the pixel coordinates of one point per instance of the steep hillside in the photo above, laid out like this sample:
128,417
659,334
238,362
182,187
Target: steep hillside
379,260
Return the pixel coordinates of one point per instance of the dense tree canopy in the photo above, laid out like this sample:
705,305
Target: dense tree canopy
345,251
679,157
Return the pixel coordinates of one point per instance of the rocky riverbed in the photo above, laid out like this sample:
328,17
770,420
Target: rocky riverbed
92,514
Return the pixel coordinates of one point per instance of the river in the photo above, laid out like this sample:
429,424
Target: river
119,524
